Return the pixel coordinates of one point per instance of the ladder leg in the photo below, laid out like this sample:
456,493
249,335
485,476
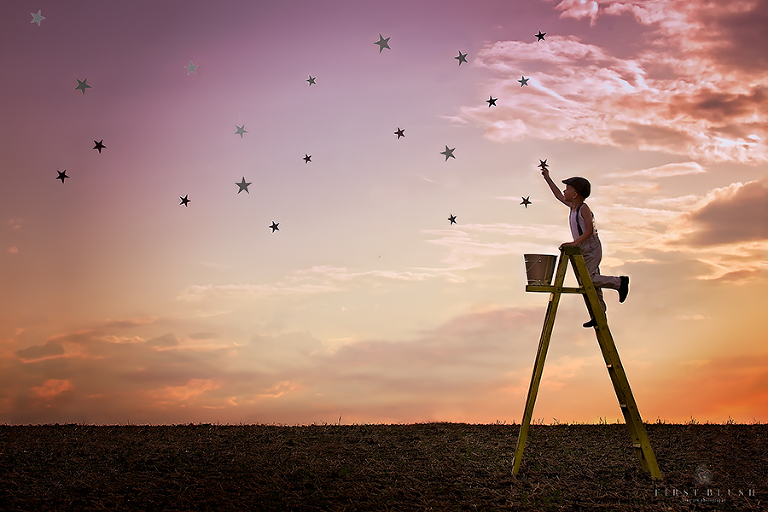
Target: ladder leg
628,405
538,367
616,371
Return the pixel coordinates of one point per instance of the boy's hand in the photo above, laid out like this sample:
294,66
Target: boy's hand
545,172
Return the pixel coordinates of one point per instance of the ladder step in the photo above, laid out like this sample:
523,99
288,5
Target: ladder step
637,445
623,406
609,366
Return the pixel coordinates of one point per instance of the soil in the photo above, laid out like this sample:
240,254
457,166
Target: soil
432,466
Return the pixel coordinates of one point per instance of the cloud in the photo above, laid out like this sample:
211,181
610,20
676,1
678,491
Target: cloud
737,34
461,365
473,244
579,9
50,349
51,388
203,336
672,96
737,213
474,367
662,171
166,340
314,280
128,322
725,229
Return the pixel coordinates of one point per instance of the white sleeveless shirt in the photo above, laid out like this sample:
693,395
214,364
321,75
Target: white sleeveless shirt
577,223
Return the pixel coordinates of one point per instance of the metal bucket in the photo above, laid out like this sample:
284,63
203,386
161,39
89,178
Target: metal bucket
540,268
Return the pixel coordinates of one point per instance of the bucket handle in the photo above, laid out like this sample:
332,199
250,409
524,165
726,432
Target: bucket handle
528,268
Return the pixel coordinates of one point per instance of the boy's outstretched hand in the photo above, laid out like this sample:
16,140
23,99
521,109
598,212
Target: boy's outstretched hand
545,172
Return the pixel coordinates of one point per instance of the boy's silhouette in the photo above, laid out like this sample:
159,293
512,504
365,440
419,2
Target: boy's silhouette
585,236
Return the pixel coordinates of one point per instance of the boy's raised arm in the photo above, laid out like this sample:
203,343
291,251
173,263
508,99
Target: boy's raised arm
552,186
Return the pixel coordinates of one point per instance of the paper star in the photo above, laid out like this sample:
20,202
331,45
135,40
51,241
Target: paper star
491,102
540,36
524,81
240,131
311,80
37,18
543,164
191,68
243,186
461,58
274,226
383,43
400,132
307,158
526,201
452,218
184,200
82,86
448,153
62,175
99,145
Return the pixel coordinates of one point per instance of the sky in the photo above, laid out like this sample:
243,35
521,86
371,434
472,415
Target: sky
366,305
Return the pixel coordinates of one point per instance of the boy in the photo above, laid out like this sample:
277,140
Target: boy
585,235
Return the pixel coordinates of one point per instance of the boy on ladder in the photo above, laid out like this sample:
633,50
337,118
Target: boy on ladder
585,235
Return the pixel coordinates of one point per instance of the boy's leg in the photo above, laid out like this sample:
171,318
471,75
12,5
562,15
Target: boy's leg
592,251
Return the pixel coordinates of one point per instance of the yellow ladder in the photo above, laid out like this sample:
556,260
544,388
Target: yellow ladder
612,362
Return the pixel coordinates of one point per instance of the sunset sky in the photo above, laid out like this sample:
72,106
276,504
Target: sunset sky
118,304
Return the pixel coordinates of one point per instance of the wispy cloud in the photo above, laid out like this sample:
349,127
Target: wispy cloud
662,171
314,280
473,244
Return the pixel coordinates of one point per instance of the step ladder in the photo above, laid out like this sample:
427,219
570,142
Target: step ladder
612,362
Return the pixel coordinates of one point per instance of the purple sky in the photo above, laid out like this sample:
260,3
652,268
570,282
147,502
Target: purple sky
119,304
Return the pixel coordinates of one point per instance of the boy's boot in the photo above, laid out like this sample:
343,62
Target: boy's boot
623,288
591,323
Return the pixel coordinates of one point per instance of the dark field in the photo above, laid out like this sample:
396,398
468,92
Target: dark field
437,466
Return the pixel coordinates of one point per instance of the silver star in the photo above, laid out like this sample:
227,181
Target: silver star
240,131
192,68
311,80
243,186
37,18
383,43
82,86
461,58
524,81
448,153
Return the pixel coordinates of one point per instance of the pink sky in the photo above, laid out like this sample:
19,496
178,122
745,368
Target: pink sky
120,305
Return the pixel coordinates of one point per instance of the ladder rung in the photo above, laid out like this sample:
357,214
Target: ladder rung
623,406
609,366
637,445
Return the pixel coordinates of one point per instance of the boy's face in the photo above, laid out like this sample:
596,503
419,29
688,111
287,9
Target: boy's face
570,193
